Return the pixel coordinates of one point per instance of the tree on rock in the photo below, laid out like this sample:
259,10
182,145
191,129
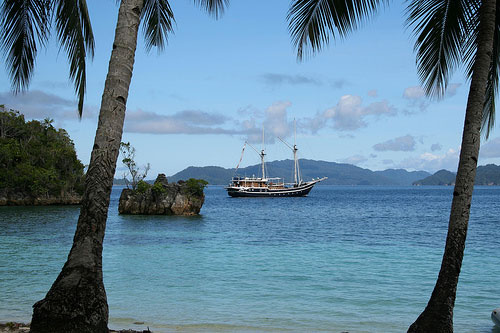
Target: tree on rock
128,154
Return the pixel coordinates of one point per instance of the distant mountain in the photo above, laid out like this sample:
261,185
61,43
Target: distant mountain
442,177
486,175
214,175
337,173
403,177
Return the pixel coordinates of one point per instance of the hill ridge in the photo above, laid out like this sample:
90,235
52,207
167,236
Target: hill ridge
337,173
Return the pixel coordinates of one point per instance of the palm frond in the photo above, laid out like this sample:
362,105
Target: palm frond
440,26
471,35
213,7
469,57
22,24
312,22
74,33
492,85
157,21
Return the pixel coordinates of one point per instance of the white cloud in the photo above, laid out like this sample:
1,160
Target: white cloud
402,143
372,93
184,122
490,149
416,98
432,162
355,159
349,113
414,93
275,120
279,79
39,104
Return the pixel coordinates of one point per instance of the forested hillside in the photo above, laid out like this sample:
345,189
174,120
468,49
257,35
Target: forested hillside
36,159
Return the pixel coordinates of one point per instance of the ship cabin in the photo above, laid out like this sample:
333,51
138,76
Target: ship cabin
274,183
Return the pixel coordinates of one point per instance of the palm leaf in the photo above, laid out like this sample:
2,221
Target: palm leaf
471,35
492,85
440,26
311,22
157,18
74,33
213,7
22,24
469,58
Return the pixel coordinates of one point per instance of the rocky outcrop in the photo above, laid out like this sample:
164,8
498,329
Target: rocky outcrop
10,198
162,199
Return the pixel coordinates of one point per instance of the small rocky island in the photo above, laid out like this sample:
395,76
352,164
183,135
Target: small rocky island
181,198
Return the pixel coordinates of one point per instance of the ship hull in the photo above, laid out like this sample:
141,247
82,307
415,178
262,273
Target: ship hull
296,191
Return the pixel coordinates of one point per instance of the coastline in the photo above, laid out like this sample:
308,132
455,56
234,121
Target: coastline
15,327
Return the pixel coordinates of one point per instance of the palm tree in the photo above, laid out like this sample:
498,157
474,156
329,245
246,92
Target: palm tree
449,33
77,302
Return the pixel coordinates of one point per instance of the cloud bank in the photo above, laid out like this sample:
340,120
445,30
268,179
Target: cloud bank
432,162
403,143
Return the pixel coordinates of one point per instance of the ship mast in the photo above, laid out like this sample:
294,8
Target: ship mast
262,154
296,168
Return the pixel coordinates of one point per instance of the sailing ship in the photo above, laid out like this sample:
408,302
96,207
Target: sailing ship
267,186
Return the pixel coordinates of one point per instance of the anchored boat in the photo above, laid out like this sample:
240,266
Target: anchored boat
270,187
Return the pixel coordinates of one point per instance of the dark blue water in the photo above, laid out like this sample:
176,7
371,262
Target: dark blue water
357,259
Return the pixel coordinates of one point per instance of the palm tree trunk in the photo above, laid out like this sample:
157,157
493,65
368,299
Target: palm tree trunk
77,302
438,315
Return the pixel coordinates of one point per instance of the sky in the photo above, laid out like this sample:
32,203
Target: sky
218,82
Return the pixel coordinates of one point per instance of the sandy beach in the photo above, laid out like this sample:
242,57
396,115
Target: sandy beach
13,327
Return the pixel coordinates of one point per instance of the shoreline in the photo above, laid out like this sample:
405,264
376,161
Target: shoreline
15,327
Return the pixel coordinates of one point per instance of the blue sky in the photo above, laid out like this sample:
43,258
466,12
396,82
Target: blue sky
217,82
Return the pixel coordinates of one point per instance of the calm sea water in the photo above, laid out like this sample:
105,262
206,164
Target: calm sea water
357,259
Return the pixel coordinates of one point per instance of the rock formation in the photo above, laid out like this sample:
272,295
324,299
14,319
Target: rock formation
162,199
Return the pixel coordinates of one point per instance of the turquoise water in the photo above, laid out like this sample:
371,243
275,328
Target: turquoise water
357,259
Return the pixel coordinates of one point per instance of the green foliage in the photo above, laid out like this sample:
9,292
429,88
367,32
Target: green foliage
37,158
142,186
158,188
195,186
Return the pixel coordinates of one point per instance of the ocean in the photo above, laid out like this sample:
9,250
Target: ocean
343,259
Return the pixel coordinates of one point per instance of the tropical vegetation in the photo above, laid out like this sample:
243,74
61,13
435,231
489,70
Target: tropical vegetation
36,159
448,34
195,186
133,170
77,302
